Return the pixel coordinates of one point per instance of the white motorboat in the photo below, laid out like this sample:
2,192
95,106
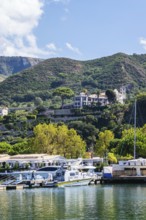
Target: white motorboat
57,172
74,177
87,169
26,177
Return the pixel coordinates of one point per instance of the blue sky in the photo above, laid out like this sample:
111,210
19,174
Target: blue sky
77,29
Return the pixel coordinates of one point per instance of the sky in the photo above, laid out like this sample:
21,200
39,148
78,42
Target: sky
76,29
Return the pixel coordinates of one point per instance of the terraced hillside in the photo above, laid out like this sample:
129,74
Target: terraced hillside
104,73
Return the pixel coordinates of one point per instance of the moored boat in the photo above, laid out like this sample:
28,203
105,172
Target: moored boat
74,178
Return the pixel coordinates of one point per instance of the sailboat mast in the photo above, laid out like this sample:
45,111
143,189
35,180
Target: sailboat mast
135,129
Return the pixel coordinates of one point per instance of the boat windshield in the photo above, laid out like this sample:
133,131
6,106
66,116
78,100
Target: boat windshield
49,169
74,173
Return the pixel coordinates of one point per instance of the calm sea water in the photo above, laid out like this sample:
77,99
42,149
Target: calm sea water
106,202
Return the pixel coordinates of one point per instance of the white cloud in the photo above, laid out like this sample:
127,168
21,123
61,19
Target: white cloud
53,50
52,46
73,49
16,47
18,18
143,42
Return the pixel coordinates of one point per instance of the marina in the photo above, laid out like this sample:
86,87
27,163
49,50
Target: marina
77,174
50,176
127,172
55,171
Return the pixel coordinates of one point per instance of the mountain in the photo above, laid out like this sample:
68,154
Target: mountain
105,73
11,65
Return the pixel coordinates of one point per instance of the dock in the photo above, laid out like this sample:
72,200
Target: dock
10,187
30,179
95,181
124,179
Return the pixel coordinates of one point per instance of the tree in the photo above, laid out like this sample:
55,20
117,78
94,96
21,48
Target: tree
64,93
103,142
43,141
85,91
112,158
78,146
38,101
21,148
69,144
126,145
5,148
98,94
141,106
111,95
87,131
53,139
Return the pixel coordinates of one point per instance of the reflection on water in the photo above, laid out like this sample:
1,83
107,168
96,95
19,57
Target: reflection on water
115,202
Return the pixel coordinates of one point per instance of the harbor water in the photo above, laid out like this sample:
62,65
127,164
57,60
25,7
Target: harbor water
98,202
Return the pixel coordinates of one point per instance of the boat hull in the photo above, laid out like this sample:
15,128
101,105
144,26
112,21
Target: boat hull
82,182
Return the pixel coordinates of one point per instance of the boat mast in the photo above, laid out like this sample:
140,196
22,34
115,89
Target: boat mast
135,129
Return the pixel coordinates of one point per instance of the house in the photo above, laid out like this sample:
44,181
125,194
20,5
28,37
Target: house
84,99
121,94
33,160
3,111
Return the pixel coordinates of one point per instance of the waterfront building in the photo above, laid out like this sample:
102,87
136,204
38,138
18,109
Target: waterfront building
35,161
32,161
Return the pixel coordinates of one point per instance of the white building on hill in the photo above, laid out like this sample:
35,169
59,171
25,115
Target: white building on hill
3,111
121,94
87,100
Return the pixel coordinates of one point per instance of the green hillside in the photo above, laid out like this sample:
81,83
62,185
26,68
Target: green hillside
104,73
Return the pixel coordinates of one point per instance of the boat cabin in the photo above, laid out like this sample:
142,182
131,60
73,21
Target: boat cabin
57,172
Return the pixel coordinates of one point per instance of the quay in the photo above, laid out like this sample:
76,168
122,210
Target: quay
10,187
29,184
124,179
95,181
